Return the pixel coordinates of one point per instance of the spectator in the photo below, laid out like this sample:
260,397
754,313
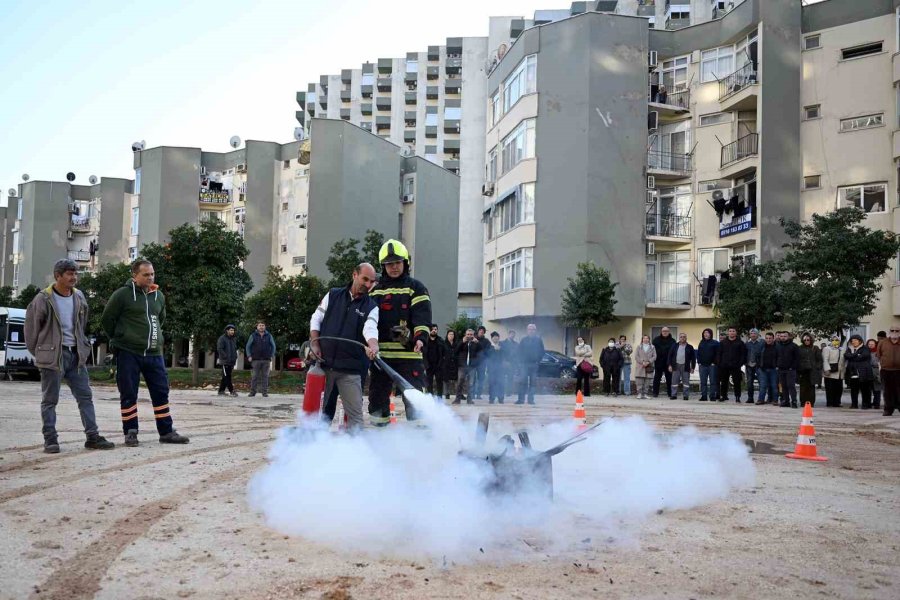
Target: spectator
889,357
480,366
611,361
55,321
754,347
662,96
260,349
435,351
583,354
707,354
876,374
510,359
663,343
644,364
627,351
787,362
467,354
833,372
495,372
822,347
767,371
731,357
449,366
809,365
858,372
682,362
881,335
226,348
531,351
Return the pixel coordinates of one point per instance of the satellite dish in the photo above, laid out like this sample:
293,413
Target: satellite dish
93,179
138,146
11,192
501,51
25,176
235,141
70,176
298,133
407,151
718,195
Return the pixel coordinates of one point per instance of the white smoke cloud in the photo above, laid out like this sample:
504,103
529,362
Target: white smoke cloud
406,491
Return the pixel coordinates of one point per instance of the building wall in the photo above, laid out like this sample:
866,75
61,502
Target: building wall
113,239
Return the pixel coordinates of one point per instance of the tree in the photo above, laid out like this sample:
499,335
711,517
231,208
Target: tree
462,323
589,299
25,296
346,255
6,295
285,304
98,287
836,266
200,273
752,298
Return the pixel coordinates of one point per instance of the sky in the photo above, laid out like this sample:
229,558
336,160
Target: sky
84,79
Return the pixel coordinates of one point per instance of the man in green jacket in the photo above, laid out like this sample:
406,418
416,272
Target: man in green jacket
133,321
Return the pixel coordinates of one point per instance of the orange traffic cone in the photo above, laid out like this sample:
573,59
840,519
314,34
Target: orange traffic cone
806,438
578,415
393,413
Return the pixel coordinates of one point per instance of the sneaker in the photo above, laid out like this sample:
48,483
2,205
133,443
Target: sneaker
703,399
531,402
760,402
221,393
98,442
794,405
51,446
265,394
686,398
173,437
234,394
131,438
251,394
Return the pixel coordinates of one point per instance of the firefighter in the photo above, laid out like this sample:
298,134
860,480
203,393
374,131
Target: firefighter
404,318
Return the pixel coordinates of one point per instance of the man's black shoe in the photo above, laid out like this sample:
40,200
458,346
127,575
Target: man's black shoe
760,402
51,446
98,442
131,438
794,405
470,402
703,399
519,402
455,401
265,394
251,394
173,437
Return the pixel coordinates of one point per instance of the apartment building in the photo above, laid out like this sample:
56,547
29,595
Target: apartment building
668,156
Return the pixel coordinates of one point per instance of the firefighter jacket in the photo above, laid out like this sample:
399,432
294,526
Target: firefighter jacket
404,316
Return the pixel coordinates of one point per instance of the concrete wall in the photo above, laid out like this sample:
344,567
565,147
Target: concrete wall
170,186
45,220
5,235
834,13
114,211
260,233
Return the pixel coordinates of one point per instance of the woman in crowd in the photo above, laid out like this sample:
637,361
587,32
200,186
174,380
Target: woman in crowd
833,372
583,354
810,365
611,361
872,345
450,373
858,372
644,359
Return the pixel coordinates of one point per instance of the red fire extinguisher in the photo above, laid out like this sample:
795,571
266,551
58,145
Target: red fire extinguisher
315,389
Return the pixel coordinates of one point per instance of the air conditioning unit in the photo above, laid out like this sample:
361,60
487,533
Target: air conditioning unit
241,168
651,248
651,182
653,120
652,58
408,199
70,234
487,189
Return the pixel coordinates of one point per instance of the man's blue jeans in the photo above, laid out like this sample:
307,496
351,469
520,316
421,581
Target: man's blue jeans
80,386
625,380
768,384
709,382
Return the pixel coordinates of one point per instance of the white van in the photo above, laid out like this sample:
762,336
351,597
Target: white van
14,356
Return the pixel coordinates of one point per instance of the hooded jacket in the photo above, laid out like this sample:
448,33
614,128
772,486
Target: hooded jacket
226,348
133,319
43,331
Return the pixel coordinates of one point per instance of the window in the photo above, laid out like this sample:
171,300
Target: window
15,278
299,261
743,257
211,215
16,240
137,181
20,204
515,269
431,120
715,119
452,113
412,66
366,79
811,42
714,184
489,269
812,182
286,164
863,50
674,74
284,206
813,111
490,173
864,122
716,63
515,209
711,261
409,186
517,146
284,248
869,197
132,253
674,283
521,81
495,108
135,219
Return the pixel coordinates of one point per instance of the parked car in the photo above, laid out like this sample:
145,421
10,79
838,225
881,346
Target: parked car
295,364
555,364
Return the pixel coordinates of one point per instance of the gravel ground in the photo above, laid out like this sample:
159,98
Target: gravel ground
173,522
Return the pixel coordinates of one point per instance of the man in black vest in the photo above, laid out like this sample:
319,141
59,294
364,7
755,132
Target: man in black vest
259,351
349,313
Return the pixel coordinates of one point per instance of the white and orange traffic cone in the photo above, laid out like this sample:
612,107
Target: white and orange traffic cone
578,415
393,413
806,438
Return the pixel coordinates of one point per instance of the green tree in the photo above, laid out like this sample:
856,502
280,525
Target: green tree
590,297
752,298
835,266
346,255
25,296
200,273
6,295
461,323
285,304
98,287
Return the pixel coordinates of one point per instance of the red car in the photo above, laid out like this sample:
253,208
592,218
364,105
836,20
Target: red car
295,364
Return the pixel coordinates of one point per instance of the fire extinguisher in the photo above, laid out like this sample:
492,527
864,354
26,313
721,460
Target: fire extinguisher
315,389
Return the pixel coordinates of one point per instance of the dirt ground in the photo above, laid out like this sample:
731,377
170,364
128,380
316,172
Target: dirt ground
173,521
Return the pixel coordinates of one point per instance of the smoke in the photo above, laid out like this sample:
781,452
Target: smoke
411,491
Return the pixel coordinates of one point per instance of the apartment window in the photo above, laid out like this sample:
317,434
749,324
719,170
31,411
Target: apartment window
491,168
743,257
715,119
709,258
284,248
522,81
16,241
298,261
431,120
673,285
286,164
20,205
452,113
137,180
862,50
367,79
412,66
864,122
516,270
367,125
495,108
518,145
490,278
135,220
713,184
132,253
674,74
812,182
813,111
516,208
15,277
869,197
811,42
716,63
211,215
409,186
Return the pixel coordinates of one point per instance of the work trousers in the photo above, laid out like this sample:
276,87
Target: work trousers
79,384
658,373
681,375
129,369
465,382
856,386
709,382
582,382
529,382
380,386
807,387
752,373
768,385
434,378
833,390
734,373
787,379
259,379
225,382
890,386
349,386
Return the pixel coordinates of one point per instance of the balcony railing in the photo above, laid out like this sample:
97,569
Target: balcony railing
77,223
681,98
666,292
667,161
737,81
668,225
79,255
740,148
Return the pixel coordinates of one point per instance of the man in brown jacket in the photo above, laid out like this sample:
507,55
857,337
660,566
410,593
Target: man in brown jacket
889,355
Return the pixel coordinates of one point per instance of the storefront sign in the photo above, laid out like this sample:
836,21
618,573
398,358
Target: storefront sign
211,197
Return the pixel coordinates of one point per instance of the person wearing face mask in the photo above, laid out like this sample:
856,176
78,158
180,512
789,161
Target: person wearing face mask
644,361
611,361
889,357
583,354
810,365
833,372
859,372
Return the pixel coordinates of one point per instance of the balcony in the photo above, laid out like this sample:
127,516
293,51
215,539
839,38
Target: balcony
384,84
80,224
410,117
668,225
383,103
345,114
452,86
385,65
365,91
432,73
451,146
411,77
434,53
215,197
672,24
346,76
382,123
453,66
431,92
740,149
431,131
741,79
345,95
409,135
451,126
411,97
668,294
366,108
80,255
452,165
677,102
664,164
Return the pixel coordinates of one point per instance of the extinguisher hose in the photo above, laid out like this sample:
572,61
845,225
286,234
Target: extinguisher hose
398,379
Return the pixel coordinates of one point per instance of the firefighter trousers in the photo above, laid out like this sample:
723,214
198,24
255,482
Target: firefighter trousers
380,386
